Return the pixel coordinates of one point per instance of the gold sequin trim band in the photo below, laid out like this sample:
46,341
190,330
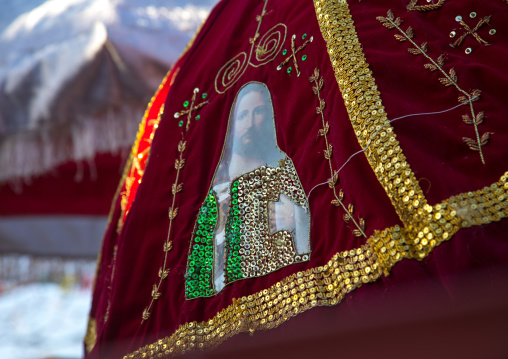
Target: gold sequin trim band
91,335
366,111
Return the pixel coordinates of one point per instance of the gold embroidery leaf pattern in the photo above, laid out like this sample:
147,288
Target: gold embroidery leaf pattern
359,231
176,188
449,79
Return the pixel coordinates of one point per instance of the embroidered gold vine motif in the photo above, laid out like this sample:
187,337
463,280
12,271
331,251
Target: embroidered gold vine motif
268,48
190,109
413,6
359,231
449,79
255,218
294,52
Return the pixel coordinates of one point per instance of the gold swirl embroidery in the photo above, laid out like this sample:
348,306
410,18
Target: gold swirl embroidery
267,49
270,45
449,79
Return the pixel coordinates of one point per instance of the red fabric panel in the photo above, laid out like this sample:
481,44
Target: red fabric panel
69,189
432,145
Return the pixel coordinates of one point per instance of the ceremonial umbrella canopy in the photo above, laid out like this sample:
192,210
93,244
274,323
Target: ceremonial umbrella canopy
75,79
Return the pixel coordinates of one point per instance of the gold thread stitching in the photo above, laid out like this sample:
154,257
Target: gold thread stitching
450,79
473,32
173,211
334,177
412,6
294,51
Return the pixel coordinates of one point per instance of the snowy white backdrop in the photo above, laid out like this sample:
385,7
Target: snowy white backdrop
44,44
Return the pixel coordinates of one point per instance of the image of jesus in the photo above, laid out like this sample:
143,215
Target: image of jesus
255,219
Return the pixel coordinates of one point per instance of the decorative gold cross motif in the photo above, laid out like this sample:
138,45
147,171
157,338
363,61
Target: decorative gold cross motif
473,32
191,108
294,51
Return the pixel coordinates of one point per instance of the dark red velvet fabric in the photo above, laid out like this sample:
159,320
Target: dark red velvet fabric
433,145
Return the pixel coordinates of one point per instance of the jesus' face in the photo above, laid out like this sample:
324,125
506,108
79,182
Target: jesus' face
250,125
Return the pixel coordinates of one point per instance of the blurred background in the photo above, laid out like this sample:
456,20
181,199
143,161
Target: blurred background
75,79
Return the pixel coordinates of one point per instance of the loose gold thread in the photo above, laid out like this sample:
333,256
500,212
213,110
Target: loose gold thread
449,79
319,83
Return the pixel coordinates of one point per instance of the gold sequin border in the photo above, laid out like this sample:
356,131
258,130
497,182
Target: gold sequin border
344,272
322,286
439,223
366,112
91,335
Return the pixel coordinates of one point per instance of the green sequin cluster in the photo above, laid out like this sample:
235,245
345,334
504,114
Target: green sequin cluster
200,266
233,267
